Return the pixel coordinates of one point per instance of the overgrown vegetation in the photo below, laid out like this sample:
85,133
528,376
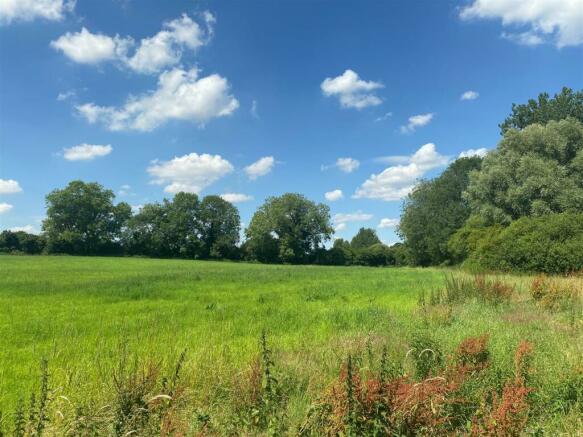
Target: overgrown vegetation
285,350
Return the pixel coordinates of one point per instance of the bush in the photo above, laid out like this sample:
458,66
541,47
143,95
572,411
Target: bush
376,255
551,244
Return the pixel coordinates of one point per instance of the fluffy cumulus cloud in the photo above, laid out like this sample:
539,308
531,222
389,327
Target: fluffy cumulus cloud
85,47
259,168
481,152
28,10
86,152
189,173
181,95
334,195
9,186
151,55
5,207
352,91
236,197
533,21
396,181
470,95
388,223
416,121
347,165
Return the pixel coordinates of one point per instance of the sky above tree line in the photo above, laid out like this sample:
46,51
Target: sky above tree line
347,102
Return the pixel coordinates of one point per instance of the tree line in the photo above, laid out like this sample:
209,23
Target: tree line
518,208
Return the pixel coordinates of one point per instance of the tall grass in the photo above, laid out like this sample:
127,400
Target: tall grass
114,333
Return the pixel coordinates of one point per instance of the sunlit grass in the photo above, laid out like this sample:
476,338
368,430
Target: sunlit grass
80,313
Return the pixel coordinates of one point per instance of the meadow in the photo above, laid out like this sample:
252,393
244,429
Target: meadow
94,319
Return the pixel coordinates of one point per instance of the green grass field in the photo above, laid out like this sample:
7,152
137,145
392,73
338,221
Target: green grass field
82,314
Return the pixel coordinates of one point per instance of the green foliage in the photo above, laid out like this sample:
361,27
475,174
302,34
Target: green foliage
434,211
565,104
551,244
184,227
82,219
21,242
466,239
220,225
375,256
364,238
289,229
533,172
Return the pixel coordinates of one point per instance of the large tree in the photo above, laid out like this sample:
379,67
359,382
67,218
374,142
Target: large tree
167,229
534,171
82,219
220,225
365,237
434,211
288,228
565,104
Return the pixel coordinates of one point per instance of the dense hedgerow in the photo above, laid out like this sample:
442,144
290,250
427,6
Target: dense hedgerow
550,244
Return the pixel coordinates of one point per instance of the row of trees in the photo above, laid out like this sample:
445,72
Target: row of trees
534,176
464,215
82,219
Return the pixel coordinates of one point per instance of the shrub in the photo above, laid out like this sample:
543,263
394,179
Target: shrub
550,244
509,413
460,289
552,293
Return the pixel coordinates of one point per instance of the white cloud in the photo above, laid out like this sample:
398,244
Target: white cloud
9,186
397,181
85,47
260,167
384,116
137,208
28,10
124,190
151,55
5,207
388,223
358,216
166,47
524,38
416,121
347,165
470,95
181,95
236,197
351,90
340,227
333,195
30,229
482,151
190,173
61,97
86,152
556,21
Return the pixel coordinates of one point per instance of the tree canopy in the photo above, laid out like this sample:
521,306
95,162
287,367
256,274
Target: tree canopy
365,237
288,228
534,171
435,210
563,105
82,219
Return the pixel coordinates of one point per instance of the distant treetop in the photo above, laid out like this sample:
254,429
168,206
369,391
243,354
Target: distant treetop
563,105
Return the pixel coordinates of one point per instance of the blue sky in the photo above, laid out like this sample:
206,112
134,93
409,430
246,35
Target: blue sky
258,98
